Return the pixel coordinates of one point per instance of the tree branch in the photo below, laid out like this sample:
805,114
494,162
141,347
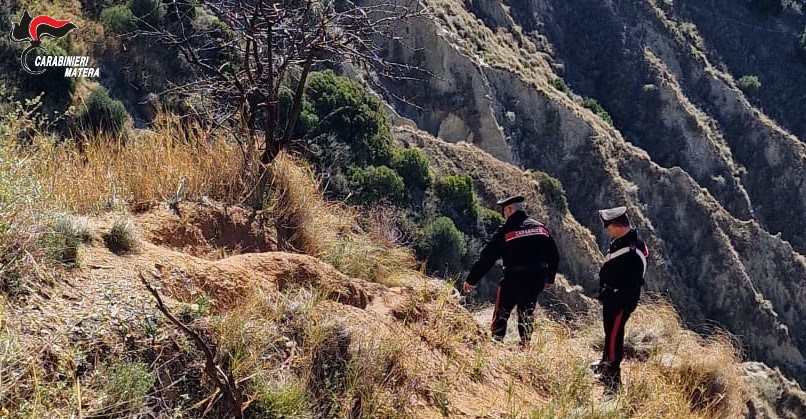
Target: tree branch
223,381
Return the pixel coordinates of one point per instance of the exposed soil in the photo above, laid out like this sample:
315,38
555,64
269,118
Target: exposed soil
209,230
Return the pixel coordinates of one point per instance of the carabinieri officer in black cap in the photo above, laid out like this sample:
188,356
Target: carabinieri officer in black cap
530,264
620,281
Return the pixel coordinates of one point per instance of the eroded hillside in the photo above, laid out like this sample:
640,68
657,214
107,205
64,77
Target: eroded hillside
305,340
687,152
318,307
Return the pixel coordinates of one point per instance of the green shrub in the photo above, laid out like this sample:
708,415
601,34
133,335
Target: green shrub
553,190
102,113
308,119
126,388
280,399
92,9
457,201
149,12
207,22
182,10
118,19
749,83
490,220
443,247
560,85
593,105
412,165
378,184
353,116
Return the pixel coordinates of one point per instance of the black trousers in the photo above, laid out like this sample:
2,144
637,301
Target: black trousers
521,294
615,318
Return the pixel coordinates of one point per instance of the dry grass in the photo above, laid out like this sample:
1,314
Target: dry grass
143,171
122,238
332,231
22,222
63,237
704,373
669,372
305,220
125,386
297,361
35,378
151,169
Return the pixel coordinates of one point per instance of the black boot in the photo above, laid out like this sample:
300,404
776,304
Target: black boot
611,378
596,367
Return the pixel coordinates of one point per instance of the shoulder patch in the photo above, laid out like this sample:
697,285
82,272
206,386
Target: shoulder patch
532,231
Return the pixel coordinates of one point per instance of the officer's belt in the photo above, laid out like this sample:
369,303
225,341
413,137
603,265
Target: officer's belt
624,251
523,269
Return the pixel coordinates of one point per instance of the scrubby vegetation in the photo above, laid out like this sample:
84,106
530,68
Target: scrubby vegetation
553,190
118,19
298,353
379,184
102,114
594,106
412,164
457,200
443,247
351,114
62,238
401,345
148,12
122,238
749,83
560,85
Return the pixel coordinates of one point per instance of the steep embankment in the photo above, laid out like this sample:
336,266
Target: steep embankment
688,192
493,179
749,40
771,395
302,339
655,75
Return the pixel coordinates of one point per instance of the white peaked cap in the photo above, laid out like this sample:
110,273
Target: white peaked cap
612,213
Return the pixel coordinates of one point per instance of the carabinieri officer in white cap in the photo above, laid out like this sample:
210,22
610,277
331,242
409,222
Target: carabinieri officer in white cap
530,264
620,281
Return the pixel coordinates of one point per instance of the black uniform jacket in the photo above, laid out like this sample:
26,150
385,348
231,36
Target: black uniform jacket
622,274
527,248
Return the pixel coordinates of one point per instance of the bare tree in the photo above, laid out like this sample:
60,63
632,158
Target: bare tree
255,65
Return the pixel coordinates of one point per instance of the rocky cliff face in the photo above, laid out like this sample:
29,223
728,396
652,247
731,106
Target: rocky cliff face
715,185
653,72
748,40
771,394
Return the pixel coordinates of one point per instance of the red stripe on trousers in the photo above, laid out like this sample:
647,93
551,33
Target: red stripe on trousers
495,312
613,334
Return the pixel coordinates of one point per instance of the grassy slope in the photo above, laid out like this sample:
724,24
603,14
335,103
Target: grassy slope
303,339
352,329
